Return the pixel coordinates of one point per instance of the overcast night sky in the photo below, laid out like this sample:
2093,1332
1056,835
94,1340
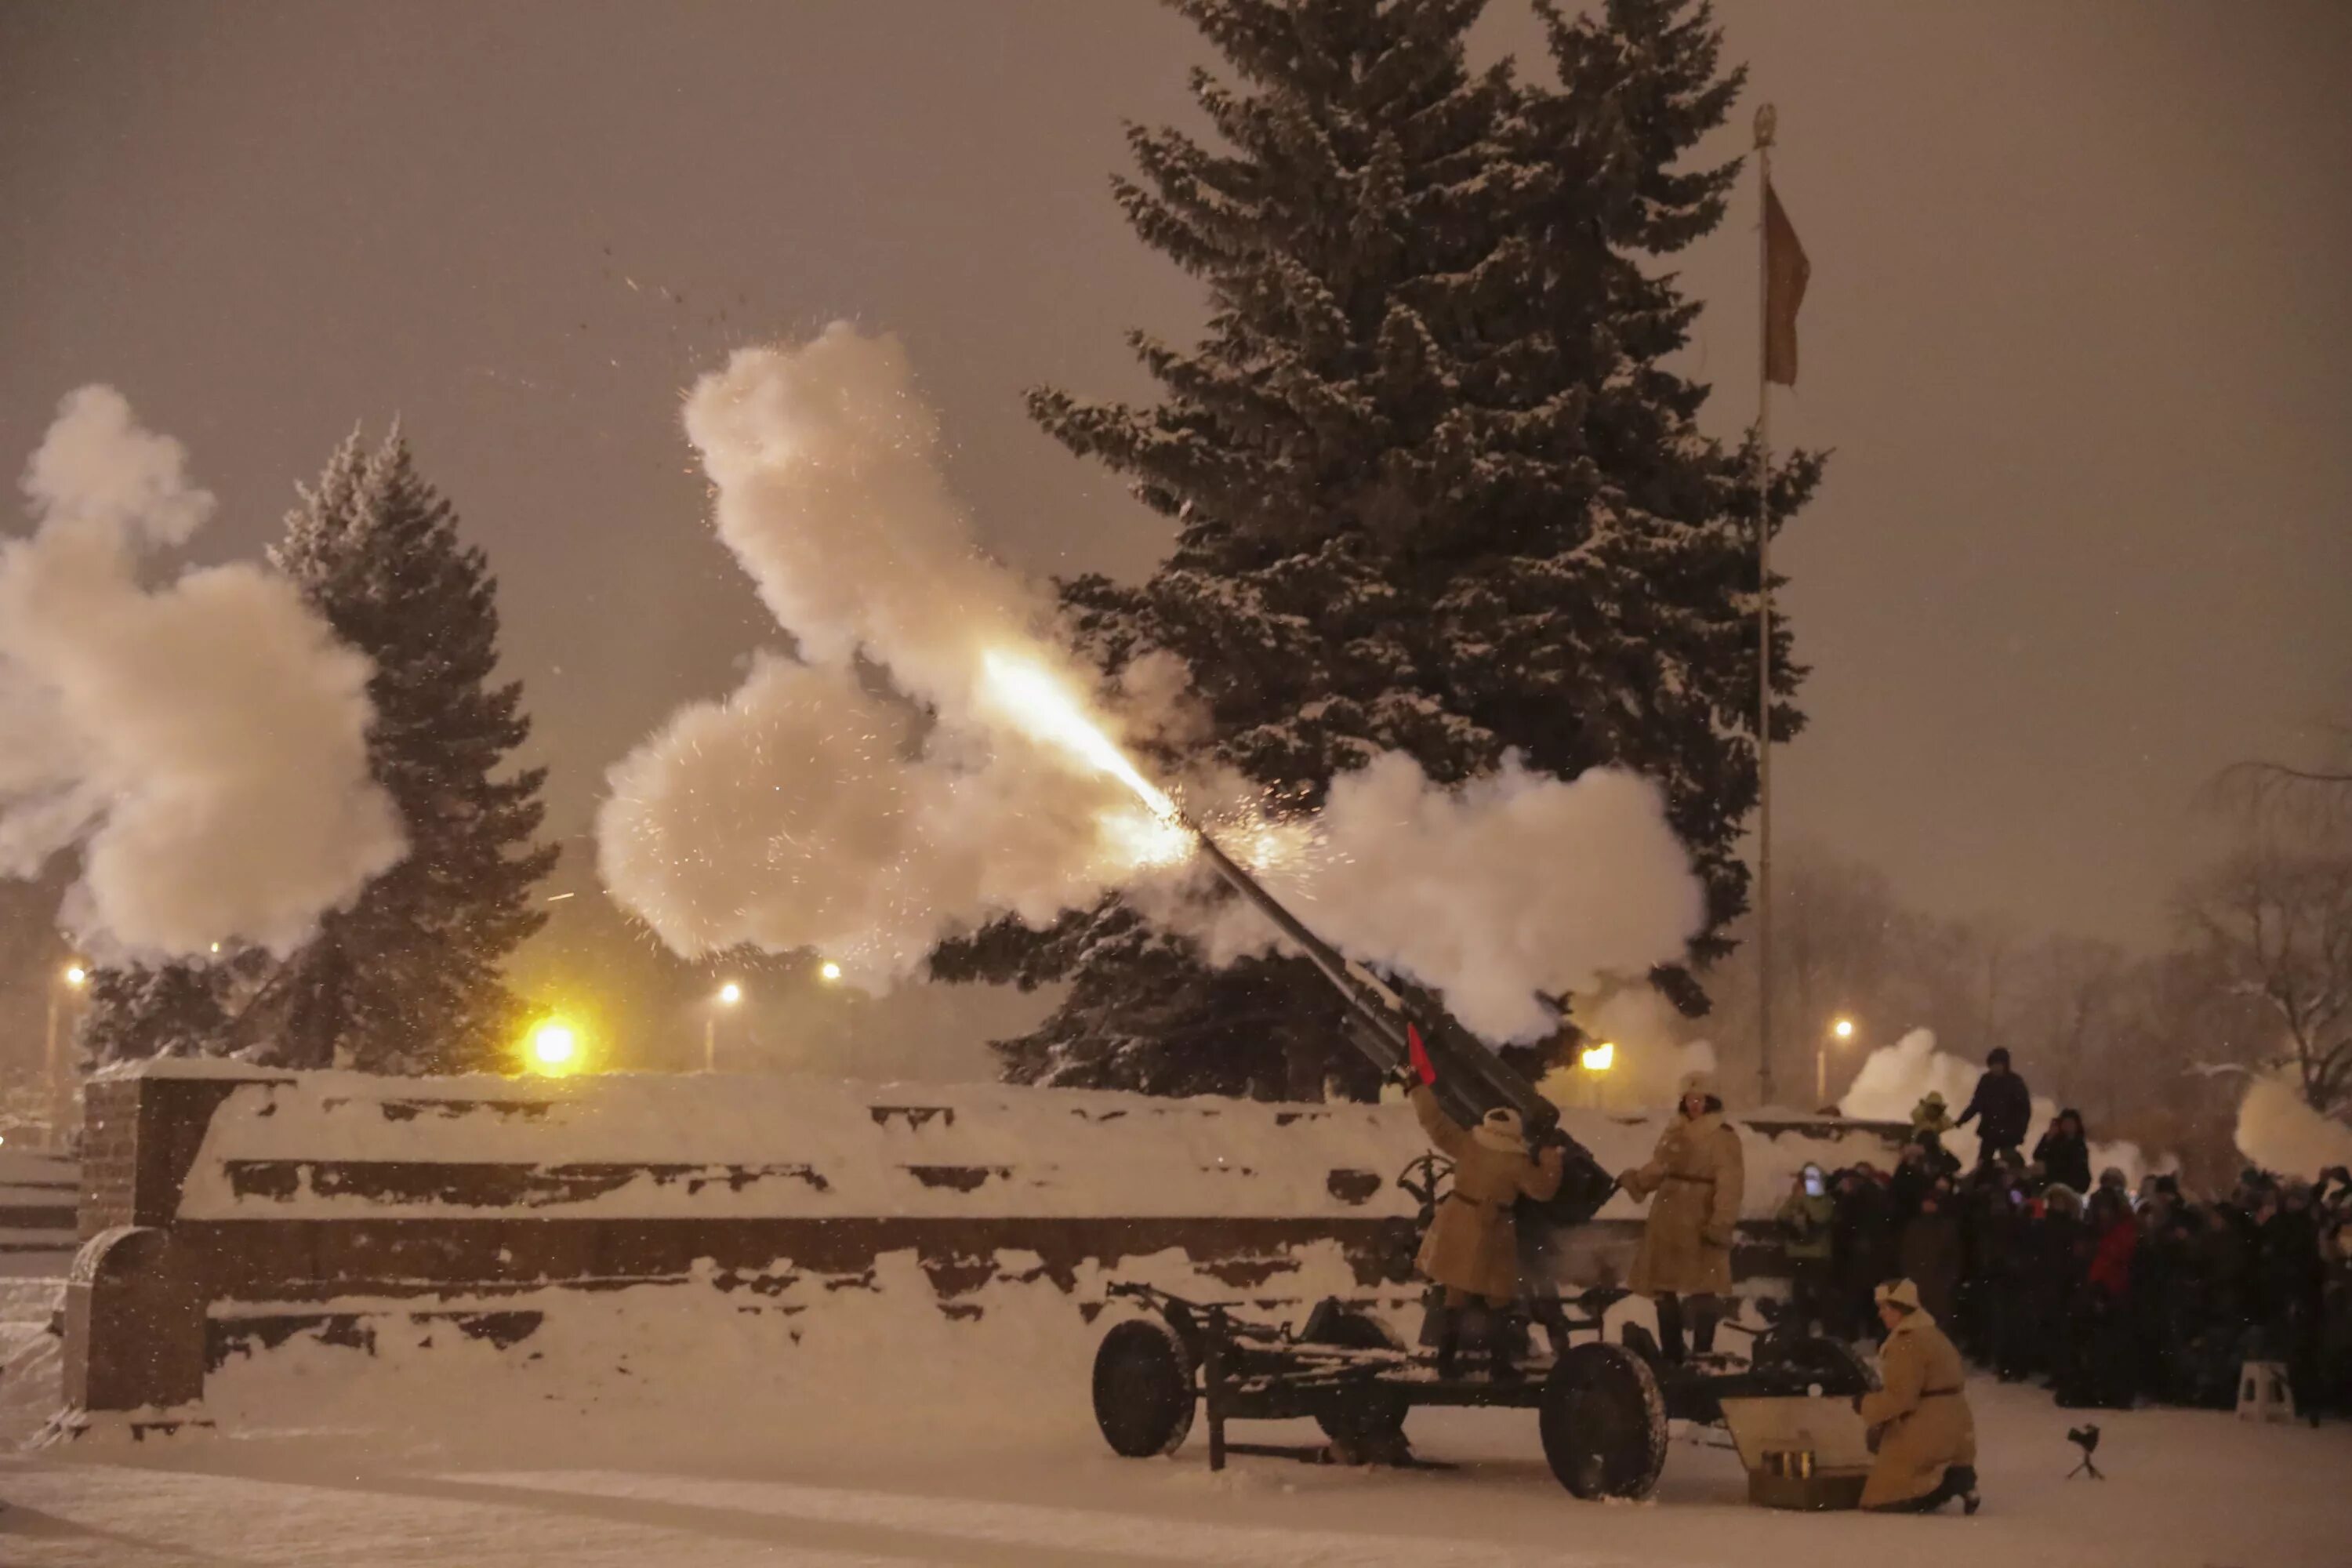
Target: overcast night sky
2078,332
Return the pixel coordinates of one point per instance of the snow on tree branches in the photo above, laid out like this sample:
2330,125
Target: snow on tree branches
1437,492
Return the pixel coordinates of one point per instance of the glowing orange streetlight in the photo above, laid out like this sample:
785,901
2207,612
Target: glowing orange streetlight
1841,1030
553,1049
728,995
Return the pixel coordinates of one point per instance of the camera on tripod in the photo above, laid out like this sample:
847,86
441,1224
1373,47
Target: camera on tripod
2085,1437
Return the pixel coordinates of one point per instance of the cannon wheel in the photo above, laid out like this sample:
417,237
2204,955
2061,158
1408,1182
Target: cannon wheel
1603,1423
1834,1366
1370,1419
1143,1388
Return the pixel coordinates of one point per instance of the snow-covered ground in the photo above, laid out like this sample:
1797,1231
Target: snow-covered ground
639,1429
2195,1490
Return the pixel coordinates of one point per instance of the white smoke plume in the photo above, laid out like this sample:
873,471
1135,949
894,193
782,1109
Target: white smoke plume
204,743
2280,1133
1647,1055
1896,1078
1512,884
807,812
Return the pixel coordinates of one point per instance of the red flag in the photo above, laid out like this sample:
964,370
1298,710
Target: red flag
1786,271
1420,1054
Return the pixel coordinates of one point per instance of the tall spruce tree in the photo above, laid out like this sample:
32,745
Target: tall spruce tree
408,979
1437,492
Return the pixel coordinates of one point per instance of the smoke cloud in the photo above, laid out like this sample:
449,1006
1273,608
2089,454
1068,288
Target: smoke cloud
808,810
1648,1058
1896,1078
203,744
813,810
1510,885
2279,1132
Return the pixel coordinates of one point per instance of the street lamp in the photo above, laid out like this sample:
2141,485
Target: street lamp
728,995
63,992
554,1048
1842,1031
828,971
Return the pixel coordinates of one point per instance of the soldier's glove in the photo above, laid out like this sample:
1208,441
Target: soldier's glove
1715,1234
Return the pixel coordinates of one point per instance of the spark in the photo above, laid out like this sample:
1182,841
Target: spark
1137,840
1040,705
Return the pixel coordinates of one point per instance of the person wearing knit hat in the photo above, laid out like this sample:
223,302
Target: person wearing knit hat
1698,1177
2006,1104
1473,1248
1921,1426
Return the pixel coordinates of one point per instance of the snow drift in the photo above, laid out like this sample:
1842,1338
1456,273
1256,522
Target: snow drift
203,743
931,757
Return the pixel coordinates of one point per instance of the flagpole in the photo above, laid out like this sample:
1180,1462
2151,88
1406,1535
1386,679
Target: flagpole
1765,123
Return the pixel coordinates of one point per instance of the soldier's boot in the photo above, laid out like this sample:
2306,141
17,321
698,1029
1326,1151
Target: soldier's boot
1670,1330
1503,1365
1703,1319
1449,1340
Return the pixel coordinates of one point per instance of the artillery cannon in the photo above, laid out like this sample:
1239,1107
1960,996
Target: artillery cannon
1601,1407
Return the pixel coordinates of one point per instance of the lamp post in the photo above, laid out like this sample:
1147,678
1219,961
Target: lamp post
1596,1059
65,988
1841,1031
728,995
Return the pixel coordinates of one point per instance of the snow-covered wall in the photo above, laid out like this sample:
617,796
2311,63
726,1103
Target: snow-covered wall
384,1218
342,1145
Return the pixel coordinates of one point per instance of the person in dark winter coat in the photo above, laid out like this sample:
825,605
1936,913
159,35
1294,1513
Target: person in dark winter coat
2104,1364
2004,1103
2064,1153
1929,1254
1862,1251
2053,1261
2290,1282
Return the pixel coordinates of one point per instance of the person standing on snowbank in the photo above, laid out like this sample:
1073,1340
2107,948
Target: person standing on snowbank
1699,1176
1473,1247
1925,1433
2005,1105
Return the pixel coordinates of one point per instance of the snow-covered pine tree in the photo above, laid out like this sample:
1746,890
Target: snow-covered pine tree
1436,491
408,979
137,1011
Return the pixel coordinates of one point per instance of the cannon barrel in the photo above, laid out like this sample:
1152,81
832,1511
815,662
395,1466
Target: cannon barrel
1471,1079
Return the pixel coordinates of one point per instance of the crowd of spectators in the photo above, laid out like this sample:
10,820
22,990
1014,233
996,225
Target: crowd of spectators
2110,1294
